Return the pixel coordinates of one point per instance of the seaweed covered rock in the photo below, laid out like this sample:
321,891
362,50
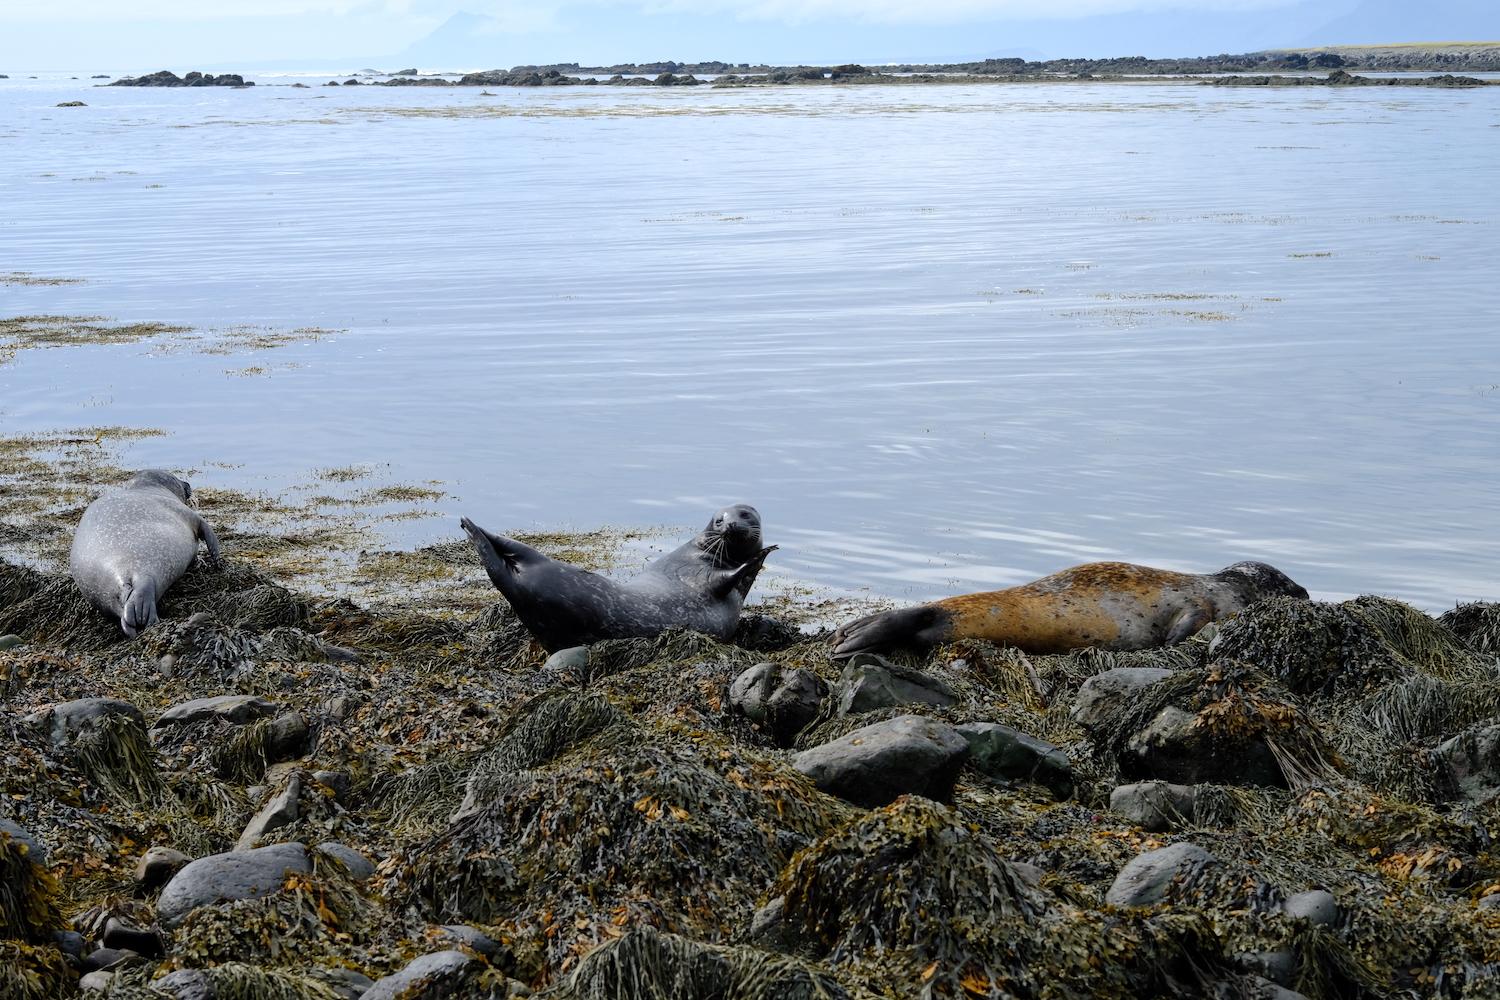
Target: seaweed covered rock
876,764
233,875
432,977
644,964
871,682
782,702
1006,753
1155,806
237,709
1150,878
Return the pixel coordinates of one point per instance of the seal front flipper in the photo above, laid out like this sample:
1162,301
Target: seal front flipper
742,578
1187,625
923,627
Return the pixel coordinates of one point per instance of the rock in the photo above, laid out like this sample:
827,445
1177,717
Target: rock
336,782
71,717
1489,902
1267,990
749,691
236,708
9,642
186,984
1172,747
783,705
1102,694
109,959
1147,878
288,737
1003,752
1470,763
230,876
158,865
572,658
768,927
1317,906
96,981
166,78
1280,967
870,682
280,811
1154,806
430,977
347,983
473,938
873,766
125,937
34,849
69,943
341,708
360,867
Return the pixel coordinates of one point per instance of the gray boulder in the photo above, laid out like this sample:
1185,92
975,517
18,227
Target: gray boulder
472,938
360,867
347,983
1104,693
9,642
1470,762
34,849
276,813
1003,752
158,865
441,974
1317,906
66,720
875,765
236,708
96,980
1147,879
872,682
288,737
781,703
1279,967
235,875
1173,748
186,984
1154,806
572,658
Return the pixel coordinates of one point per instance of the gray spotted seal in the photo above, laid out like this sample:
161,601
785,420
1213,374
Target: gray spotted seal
700,585
1112,605
133,543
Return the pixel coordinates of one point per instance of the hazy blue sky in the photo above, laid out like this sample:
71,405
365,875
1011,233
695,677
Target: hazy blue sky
136,35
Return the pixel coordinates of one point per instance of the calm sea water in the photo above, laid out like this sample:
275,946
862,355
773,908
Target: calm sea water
944,339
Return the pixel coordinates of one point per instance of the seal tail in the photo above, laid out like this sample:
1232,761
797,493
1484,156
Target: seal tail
923,627
137,607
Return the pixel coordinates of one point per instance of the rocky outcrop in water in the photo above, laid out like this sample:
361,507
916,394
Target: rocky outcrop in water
1342,78
166,78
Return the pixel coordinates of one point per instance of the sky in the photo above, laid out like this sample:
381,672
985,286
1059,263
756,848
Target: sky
337,35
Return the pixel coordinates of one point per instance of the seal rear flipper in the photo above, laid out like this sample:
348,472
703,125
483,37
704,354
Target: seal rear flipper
922,627
741,578
137,607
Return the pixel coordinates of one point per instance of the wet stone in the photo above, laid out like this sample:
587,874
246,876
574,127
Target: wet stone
9,642
1005,753
471,937
440,974
348,984
875,765
1104,693
572,658
158,865
230,876
275,814
69,943
34,849
872,682
1316,906
236,708
288,737
360,867
1172,747
126,937
186,984
1154,806
783,703
109,959
96,981
1146,880
71,717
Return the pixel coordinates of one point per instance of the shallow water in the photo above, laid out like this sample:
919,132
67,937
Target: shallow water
944,338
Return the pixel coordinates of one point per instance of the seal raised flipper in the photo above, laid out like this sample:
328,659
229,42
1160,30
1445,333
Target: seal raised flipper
742,578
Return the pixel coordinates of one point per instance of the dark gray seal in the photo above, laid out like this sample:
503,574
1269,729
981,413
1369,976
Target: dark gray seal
133,543
701,585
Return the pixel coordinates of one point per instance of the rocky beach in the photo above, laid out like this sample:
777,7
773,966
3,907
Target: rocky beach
276,792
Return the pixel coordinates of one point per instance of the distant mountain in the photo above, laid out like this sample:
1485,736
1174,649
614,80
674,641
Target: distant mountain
1389,22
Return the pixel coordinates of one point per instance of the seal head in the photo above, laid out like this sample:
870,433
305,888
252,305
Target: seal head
700,585
1112,605
135,542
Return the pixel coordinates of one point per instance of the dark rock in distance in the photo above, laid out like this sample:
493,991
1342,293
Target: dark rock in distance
166,78
875,765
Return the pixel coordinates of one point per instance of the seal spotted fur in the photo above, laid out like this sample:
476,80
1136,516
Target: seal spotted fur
700,585
133,543
1112,605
